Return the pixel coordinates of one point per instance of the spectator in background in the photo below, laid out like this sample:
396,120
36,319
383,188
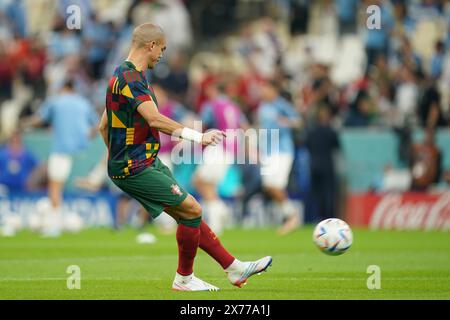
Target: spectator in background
247,90
86,10
98,39
176,81
429,105
377,40
425,162
437,61
16,164
347,15
63,42
322,142
384,101
14,13
245,45
6,74
319,89
73,121
404,24
406,97
276,113
447,42
268,47
70,67
299,16
360,114
33,67
173,18
212,18
406,56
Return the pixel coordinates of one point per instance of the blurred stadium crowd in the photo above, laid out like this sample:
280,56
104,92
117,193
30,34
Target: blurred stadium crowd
333,70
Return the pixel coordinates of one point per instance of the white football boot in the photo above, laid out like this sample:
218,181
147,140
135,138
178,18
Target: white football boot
191,283
239,272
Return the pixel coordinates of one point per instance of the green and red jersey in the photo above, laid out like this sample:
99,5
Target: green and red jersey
133,144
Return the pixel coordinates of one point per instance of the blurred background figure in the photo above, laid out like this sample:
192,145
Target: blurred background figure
425,162
175,110
74,123
17,164
96,177
276,113
219,112
322,142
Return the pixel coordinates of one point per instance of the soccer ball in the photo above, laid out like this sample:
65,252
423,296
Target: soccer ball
333,236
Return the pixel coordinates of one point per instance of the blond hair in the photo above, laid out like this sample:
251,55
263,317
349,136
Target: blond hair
146,33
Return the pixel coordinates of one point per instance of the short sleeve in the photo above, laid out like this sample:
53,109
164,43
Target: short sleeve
135,88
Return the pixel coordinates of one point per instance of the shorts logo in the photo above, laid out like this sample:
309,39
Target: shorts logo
176,190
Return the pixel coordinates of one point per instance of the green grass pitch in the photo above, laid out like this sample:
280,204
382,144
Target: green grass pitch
414,265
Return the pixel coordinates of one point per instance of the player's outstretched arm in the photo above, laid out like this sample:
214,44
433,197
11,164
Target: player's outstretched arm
156,120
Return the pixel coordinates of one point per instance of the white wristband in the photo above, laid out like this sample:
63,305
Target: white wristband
191,135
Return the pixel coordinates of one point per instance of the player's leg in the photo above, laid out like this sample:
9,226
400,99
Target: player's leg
275,175
122,210
237,271
157,190
96,177
188,214
55,188
59,167
208,240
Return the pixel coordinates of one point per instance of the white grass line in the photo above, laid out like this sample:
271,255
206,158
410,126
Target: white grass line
222,278
83,279
96,258
354,279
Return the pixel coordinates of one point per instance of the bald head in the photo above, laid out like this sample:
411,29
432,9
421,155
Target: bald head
147,47
146,33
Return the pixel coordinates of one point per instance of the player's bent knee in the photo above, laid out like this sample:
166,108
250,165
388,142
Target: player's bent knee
196,210
191,209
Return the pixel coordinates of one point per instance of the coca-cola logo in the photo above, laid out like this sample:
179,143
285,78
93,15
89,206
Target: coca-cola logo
397,211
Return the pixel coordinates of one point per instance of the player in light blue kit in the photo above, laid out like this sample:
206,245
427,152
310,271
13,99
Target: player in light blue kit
74,122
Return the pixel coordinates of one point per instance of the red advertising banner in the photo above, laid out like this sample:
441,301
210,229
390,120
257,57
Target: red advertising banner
400,211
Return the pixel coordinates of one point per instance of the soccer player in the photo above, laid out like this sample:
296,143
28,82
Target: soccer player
74,122
277,113
130,127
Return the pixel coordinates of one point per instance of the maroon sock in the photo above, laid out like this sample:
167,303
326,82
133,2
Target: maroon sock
212,246
187,239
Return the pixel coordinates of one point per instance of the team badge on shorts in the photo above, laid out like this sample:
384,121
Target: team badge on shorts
176,190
